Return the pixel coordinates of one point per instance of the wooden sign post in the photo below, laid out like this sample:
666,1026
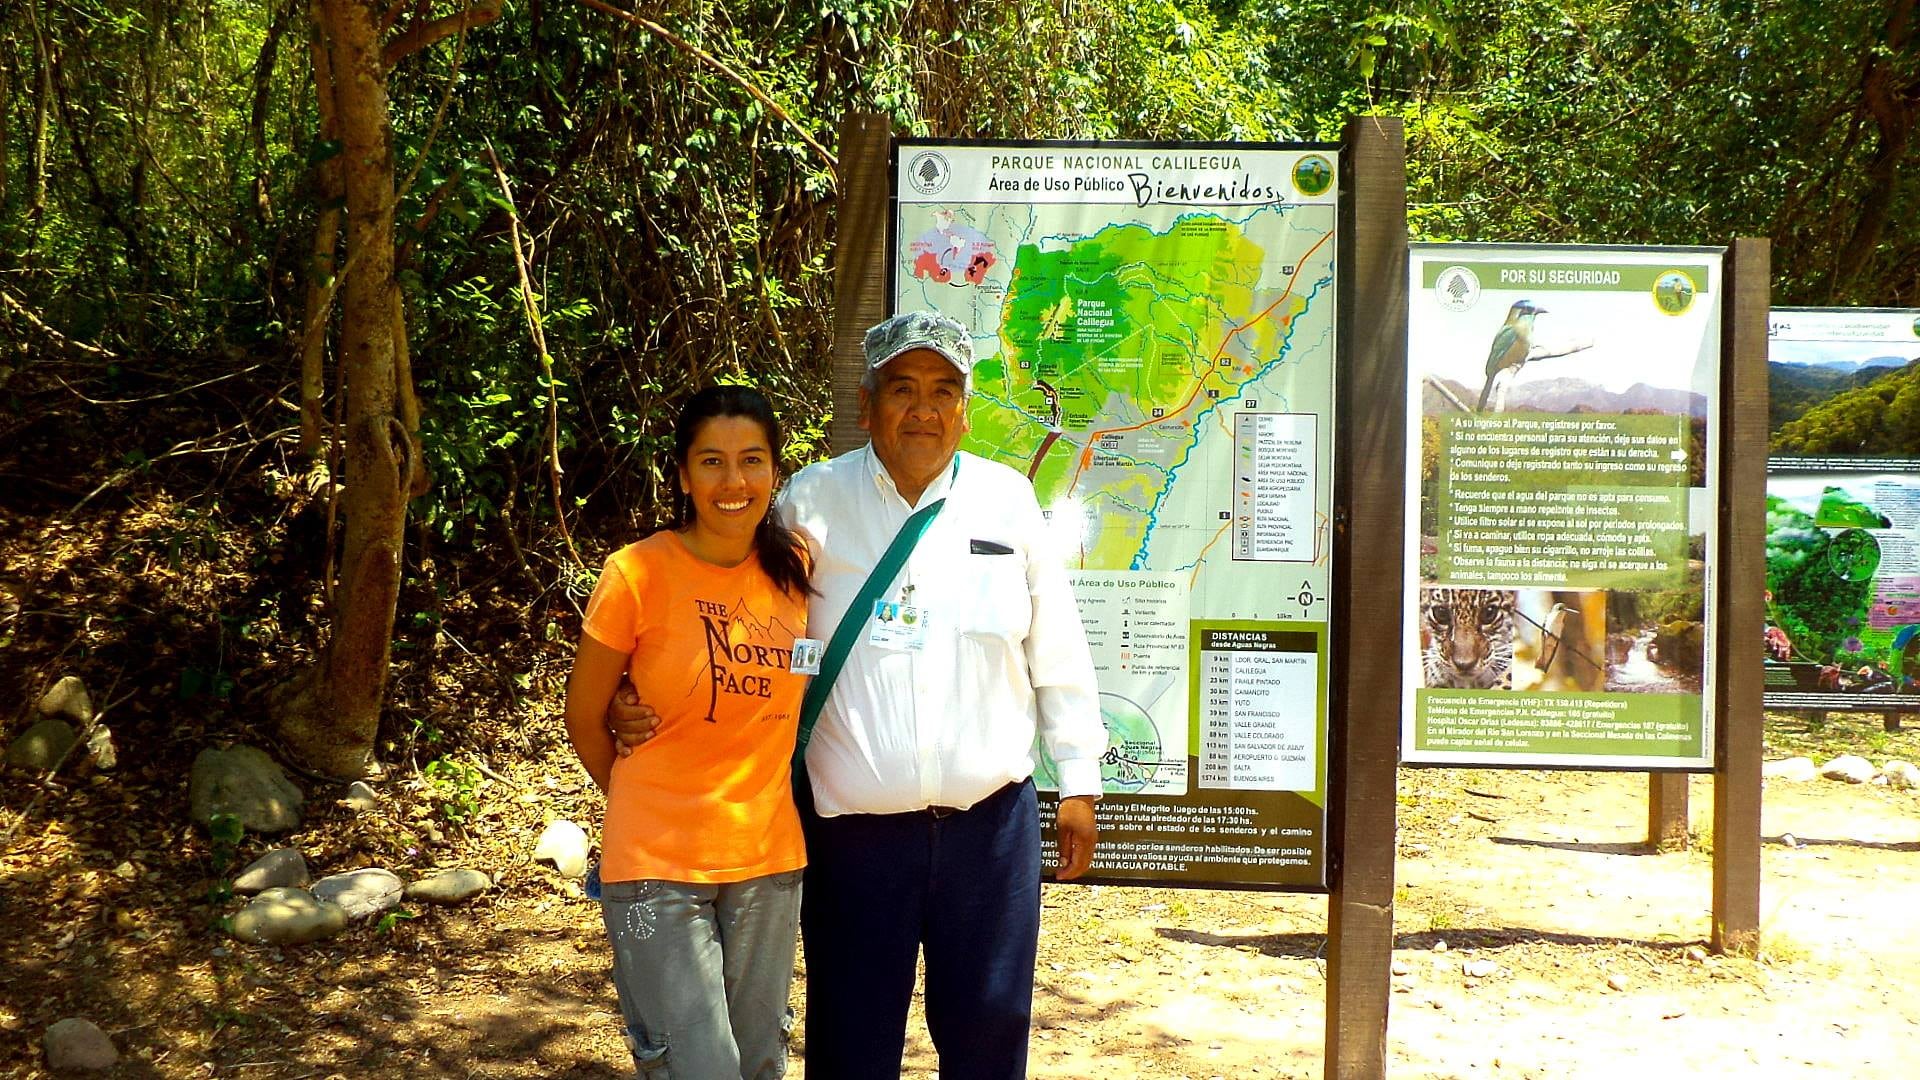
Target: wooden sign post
1369,505
859,264
1742,562
1667,811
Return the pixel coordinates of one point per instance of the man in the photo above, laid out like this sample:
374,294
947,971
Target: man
921,820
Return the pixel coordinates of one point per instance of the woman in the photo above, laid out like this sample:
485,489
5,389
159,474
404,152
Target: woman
701,850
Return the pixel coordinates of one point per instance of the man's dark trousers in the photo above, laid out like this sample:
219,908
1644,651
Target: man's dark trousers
966,886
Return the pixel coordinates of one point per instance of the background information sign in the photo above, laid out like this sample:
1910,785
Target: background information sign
1843,509
1566,399
1154,327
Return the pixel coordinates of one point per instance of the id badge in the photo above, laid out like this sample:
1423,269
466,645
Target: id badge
806,655
900,627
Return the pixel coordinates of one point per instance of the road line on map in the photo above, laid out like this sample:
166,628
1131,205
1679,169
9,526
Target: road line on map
1040,455
1195,576
1086,453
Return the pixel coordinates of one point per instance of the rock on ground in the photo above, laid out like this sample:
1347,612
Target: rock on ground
449,886
78,1045
1849,767
280,868
1795,769
1902,774
67,698
360,893
360,798
41,746
100,748
285,916
563,844
246,783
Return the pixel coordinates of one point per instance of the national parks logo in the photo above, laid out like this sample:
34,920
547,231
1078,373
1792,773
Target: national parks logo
1673,292
1313,175
1457,288
929,172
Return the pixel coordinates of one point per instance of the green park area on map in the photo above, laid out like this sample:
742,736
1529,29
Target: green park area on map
1113,347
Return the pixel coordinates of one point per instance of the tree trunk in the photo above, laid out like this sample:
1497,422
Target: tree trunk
257,121
328,716
1893,105
42,104
320,266
6,131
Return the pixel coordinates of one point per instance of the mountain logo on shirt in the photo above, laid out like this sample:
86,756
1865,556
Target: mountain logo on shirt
744,651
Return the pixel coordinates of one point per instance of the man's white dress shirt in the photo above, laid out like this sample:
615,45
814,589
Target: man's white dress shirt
1004,653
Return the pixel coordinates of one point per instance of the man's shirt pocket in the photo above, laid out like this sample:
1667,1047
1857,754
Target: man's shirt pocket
993,585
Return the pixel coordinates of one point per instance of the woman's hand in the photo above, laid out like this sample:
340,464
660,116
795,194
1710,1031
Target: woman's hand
597,669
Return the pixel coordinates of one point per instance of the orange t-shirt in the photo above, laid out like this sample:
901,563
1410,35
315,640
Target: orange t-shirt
709,798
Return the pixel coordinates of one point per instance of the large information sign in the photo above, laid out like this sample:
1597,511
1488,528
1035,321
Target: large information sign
1566,399
1843,509
1155,333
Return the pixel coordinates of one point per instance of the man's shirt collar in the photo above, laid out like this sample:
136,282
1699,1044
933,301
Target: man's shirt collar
883,480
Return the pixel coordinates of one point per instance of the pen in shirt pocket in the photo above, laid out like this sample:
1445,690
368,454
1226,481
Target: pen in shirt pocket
987,547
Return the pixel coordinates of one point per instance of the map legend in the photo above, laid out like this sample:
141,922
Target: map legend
1258,716
1136,628
1275,486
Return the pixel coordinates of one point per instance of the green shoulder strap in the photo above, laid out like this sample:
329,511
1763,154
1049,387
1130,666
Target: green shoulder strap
855,618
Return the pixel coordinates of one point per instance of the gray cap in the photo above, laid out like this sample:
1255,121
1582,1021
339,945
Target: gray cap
912,330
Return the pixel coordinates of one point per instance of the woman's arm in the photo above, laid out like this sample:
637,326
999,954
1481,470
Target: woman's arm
596,671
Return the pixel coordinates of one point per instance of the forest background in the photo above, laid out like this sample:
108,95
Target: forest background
341,340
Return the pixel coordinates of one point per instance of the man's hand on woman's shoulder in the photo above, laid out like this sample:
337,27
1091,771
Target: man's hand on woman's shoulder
631,721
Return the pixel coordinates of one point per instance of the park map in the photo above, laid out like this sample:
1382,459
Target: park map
1154,339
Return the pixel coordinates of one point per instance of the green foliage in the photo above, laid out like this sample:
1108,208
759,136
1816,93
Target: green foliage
1881,418
150,237
1795,389
1818,609
392,919
1592,121
454,786
224,833
1684,605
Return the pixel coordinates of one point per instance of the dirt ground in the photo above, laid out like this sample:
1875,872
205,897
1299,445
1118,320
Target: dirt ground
1521,895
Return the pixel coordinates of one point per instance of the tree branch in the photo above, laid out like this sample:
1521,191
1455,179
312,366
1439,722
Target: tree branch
439,116
532,312
59,338
1893,106
1447,395
257,119
420,35
707,58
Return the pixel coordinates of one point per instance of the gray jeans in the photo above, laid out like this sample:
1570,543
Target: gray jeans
702,972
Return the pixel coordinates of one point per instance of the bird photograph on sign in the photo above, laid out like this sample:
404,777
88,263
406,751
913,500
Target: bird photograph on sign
1515,345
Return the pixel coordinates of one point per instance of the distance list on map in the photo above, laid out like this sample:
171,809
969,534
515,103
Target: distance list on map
1153,328
1252,734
